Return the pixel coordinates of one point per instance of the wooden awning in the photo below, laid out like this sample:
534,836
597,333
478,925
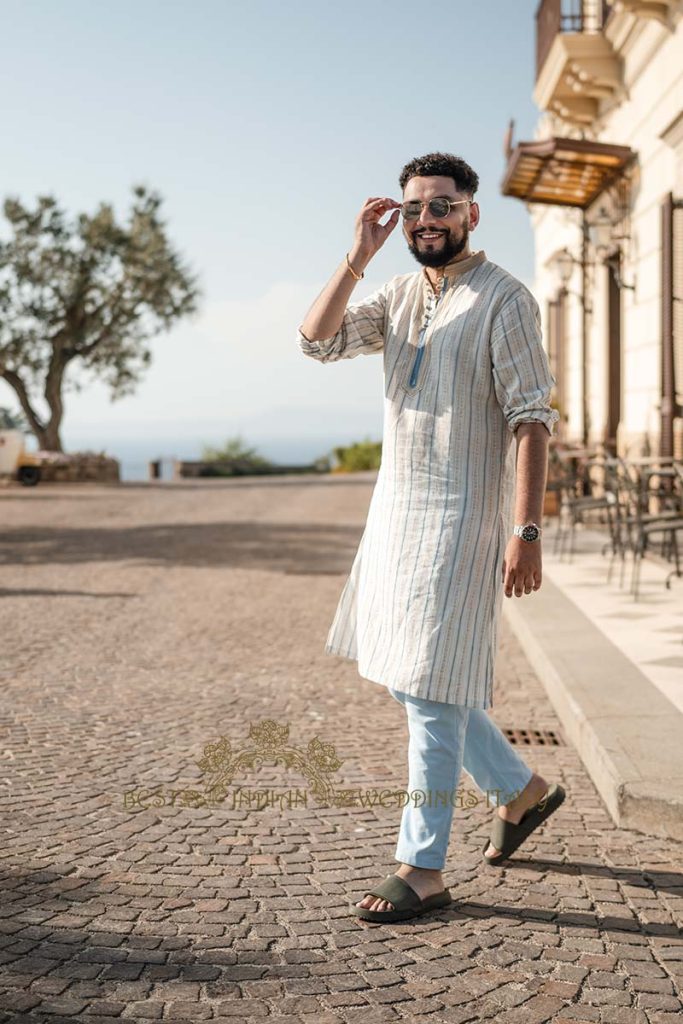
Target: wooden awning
563,172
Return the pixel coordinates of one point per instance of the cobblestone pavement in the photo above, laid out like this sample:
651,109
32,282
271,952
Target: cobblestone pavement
140,624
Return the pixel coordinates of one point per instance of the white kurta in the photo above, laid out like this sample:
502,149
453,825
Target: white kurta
462,369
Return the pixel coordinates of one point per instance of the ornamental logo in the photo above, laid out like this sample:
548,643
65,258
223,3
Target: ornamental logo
269,742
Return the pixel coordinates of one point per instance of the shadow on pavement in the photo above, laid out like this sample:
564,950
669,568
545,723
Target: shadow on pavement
277,547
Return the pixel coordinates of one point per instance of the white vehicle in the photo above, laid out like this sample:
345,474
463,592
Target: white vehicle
15,461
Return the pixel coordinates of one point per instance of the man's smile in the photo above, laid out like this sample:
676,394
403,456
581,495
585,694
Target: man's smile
429,236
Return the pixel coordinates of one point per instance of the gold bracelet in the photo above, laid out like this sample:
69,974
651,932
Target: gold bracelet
353,272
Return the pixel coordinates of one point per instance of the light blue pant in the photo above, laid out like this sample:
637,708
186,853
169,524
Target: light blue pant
444,738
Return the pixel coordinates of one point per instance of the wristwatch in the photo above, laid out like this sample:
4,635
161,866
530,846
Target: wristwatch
528,531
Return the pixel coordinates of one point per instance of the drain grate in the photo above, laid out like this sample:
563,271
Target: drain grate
534,737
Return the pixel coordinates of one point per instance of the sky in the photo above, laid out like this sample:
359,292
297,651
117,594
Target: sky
264,127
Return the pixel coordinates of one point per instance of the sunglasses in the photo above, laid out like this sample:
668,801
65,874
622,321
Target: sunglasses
439,207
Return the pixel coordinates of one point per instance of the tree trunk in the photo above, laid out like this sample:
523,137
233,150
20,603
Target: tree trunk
48,438
47,434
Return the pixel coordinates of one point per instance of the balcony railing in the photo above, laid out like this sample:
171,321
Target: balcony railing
555,16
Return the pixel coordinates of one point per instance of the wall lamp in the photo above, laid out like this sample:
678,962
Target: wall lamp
563,264
606,246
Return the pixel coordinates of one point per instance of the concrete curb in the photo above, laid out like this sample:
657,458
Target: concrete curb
628,735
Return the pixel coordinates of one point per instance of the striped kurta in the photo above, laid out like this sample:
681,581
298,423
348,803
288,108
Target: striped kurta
464,365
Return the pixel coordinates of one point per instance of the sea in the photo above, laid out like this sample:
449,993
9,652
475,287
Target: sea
135,455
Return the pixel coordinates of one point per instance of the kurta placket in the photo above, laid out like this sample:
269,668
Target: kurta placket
463,367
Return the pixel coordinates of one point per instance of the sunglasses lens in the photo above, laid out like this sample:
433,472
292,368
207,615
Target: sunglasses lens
439,207
411,211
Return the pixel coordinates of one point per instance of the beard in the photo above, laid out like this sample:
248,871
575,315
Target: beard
439,257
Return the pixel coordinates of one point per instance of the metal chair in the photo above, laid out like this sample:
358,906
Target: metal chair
582,490
643,525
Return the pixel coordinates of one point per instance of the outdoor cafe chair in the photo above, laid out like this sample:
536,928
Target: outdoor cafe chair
643,526
582,489
669,530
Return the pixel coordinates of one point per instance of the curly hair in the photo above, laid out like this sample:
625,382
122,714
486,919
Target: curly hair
443,165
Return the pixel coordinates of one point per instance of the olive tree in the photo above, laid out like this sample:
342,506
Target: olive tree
84,294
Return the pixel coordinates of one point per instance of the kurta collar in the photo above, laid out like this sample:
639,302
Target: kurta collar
457,267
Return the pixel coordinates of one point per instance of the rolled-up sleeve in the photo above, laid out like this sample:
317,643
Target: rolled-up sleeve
362,331
521,372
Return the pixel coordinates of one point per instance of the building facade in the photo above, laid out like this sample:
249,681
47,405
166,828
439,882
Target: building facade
603,183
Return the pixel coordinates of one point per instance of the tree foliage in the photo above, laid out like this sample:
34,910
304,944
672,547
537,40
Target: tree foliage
86,295
11,420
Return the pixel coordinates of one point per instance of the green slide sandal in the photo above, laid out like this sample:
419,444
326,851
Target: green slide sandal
507,837
406,901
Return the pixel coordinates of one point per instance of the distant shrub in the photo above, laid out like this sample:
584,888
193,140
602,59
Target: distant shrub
235,453
365,454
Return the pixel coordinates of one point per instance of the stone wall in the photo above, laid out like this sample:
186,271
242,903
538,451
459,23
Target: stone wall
236,467
79,467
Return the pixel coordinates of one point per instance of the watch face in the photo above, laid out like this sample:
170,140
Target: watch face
530,532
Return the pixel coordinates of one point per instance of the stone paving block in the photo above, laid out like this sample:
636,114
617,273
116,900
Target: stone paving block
105,1008
606,996
380,1015
63,1005
350,998
241,1008
510,995
659,1001
19,1001
562,989
186,1010
144,1009
622,1015
645,984
580,1013
573,1020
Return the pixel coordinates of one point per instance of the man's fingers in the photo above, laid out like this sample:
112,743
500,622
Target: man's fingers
521,577
392,222
532,582
380,205
518,583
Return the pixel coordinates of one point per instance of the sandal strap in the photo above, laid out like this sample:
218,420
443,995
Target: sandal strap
506,835
502,832
398,892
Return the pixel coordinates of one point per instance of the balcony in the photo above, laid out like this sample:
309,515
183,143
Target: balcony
576,67
659,10
556,16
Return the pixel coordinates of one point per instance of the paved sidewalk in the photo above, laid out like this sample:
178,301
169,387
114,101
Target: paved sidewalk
647,629
611,667
141,623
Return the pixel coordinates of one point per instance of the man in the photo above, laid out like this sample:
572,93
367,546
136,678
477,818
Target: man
464,372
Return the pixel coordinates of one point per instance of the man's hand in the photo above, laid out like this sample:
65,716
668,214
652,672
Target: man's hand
522,566
326,315
370,234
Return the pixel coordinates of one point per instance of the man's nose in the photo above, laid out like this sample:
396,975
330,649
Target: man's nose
426,218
